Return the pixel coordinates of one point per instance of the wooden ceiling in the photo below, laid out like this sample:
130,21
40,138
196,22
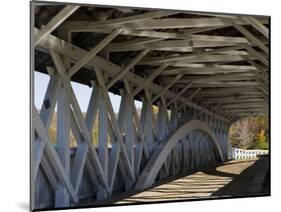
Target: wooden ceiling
212,62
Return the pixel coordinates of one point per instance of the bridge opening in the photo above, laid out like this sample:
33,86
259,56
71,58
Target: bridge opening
249,137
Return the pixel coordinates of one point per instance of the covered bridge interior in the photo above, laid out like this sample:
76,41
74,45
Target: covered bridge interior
203,71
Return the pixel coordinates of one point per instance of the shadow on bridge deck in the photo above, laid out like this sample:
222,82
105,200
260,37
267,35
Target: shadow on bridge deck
236,178
252,181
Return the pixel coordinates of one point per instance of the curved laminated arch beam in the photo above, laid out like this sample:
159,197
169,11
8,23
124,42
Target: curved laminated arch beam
159,156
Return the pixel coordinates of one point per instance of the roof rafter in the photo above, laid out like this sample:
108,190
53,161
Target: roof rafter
55,22
75,53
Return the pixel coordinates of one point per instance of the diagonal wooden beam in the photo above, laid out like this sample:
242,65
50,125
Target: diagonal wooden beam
75,53
81,159
147,121
80,156
50,99
257,25
260,69
46,113
87,57
55,22
140,147
194,58
150,78
41,131
162,121
175,98
136,117
251,37
166,88
111,23
152,24
188,44
78,114
256,54
48,170
114,122
190,98
165,106
127,68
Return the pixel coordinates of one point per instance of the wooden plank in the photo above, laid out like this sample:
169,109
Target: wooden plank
93,107
251,37
162,121
190,42
38,151
233,99
78,165
150,78
196,58
137,121
47,169
170,84
130,134
114,122
213,78
49,101
40,129
257,55
239,91
190,97
87,57
76,25
152,114
163,23
179,94
102,137
164,103
55,22
127,68
208,70
113,162
78,114
146,124
83,147
223,84
46,113
243,105
258,25
63,135
75,53
81,160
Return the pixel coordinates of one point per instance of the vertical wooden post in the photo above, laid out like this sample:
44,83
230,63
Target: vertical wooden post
103,144
146,123
62,147
130,133
63,134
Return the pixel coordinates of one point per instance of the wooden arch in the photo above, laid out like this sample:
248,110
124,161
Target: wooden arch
158,157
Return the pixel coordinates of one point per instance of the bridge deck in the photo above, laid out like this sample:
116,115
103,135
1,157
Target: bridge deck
233,178
246,177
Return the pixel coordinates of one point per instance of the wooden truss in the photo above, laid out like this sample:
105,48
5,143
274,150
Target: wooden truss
201,71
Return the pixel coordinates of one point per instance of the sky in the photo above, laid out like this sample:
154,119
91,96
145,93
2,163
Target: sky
81,91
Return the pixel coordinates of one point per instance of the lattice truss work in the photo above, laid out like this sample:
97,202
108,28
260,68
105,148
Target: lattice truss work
202,71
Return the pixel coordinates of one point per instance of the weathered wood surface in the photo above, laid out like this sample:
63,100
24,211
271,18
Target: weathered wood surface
184,66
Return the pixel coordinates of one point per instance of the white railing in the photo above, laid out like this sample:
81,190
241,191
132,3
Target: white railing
235,154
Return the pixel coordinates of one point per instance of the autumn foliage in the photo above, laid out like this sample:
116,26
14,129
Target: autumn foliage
250,133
